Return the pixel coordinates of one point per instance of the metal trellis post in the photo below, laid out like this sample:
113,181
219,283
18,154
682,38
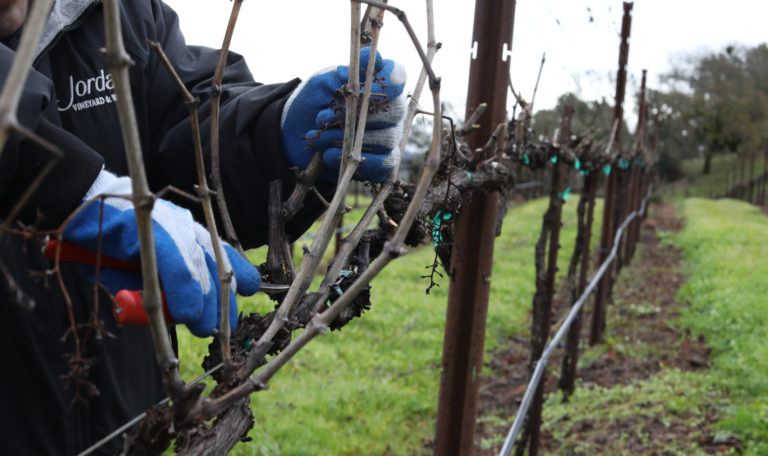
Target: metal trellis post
635,176
475,230
608,230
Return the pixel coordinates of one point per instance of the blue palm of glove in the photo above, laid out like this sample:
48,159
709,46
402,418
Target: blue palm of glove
313,120
185,260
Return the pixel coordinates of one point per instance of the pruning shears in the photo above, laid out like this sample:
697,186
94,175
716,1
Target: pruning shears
128,308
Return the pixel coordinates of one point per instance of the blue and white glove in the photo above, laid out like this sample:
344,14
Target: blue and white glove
313,120
185,257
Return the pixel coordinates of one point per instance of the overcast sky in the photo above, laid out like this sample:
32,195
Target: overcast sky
288,38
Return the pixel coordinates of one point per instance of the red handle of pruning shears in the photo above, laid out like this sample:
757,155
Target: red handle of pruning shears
128,305
129,309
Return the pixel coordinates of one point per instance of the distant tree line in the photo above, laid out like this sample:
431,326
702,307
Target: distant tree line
709,103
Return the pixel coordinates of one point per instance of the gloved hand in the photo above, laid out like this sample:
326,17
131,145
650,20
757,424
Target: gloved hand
185,257
313,120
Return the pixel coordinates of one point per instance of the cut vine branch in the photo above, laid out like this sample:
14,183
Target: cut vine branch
218,77
118,61
204,194
314,254
392,249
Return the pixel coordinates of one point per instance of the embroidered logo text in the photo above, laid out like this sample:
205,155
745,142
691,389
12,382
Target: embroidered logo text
90,92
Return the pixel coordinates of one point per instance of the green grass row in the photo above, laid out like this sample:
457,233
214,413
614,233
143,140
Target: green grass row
726,250
725,169
372,387
725,247
671,400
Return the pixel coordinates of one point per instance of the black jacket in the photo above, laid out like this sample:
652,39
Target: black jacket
69,101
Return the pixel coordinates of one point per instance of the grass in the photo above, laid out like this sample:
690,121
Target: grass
726,246
372,387
695,184
674,398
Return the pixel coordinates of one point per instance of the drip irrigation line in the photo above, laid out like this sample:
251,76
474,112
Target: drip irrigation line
538,371
141,416
541,364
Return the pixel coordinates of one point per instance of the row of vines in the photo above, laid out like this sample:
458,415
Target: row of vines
470,173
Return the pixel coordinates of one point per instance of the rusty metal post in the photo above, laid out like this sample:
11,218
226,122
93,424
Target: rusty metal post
475,230
542,300
640,191
652,175
626,239
628,244
608,230
621,199
635,175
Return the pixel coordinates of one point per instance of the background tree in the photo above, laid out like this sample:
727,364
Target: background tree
709,103
593,115
723,97
679,137
419,140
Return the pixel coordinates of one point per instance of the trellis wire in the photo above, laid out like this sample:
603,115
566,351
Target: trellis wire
141,416
541,364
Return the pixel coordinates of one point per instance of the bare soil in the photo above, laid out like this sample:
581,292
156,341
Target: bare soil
650,299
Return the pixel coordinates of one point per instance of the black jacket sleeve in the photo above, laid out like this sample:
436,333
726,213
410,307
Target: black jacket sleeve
249,131
22,160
